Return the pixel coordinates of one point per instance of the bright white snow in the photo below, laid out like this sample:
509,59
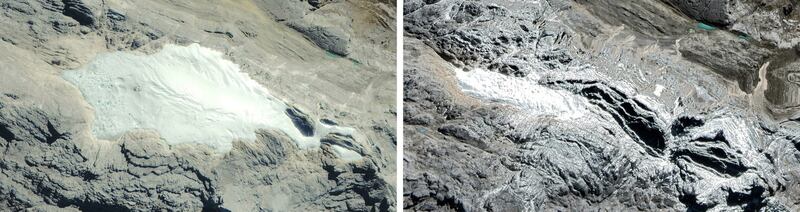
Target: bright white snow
346,154
524,93
188,94
659,89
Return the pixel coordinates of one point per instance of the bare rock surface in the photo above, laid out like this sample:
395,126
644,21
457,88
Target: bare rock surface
679,105
50,160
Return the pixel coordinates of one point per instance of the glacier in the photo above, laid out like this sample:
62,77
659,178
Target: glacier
525,93
189,94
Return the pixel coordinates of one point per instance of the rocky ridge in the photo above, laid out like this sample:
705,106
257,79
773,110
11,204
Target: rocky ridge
51,162
690,106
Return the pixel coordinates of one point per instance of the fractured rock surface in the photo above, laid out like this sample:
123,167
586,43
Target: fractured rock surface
51,159
612,105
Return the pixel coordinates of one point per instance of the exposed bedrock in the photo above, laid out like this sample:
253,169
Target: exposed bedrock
649,17
673,118
783,82
340,27
50,160
732,57
712,151
330,39
78,10
717,12
637,119
57,166
460,32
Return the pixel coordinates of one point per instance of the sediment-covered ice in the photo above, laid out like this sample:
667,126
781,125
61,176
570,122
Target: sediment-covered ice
524,93
188,94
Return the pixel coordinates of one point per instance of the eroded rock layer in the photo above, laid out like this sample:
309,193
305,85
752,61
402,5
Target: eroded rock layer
688,105
327,69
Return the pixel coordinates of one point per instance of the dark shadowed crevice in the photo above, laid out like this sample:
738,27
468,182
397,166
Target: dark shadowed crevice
364,191
717,136
210,206
633,116
595,93
681,125
84,204
5,133
795,142
690,201
77,10
53,134
642,126
628,115
301,121
101,207
333,174
211,203
443,204
713,158
328,122
10,95
752,201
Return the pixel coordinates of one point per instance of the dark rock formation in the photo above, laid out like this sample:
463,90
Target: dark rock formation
302,121
687,106
77,10
51,161
326,38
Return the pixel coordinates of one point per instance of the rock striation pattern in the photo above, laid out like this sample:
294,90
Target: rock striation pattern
50,160
691,105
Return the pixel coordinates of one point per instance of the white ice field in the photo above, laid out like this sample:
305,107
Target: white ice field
189,94
524,93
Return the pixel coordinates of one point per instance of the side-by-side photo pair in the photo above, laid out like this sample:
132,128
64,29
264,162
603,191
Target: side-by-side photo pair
412,105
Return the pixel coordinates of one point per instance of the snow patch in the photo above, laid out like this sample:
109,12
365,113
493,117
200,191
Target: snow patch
346,154
659,89
524,93
188,94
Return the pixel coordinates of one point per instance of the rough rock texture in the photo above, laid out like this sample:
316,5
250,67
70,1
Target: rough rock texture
692,105
334,24
51,162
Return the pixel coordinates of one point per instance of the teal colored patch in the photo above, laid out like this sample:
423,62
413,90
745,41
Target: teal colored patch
706,26
743,37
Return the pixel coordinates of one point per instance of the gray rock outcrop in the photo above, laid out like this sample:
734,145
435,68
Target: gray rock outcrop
50,161
690,106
